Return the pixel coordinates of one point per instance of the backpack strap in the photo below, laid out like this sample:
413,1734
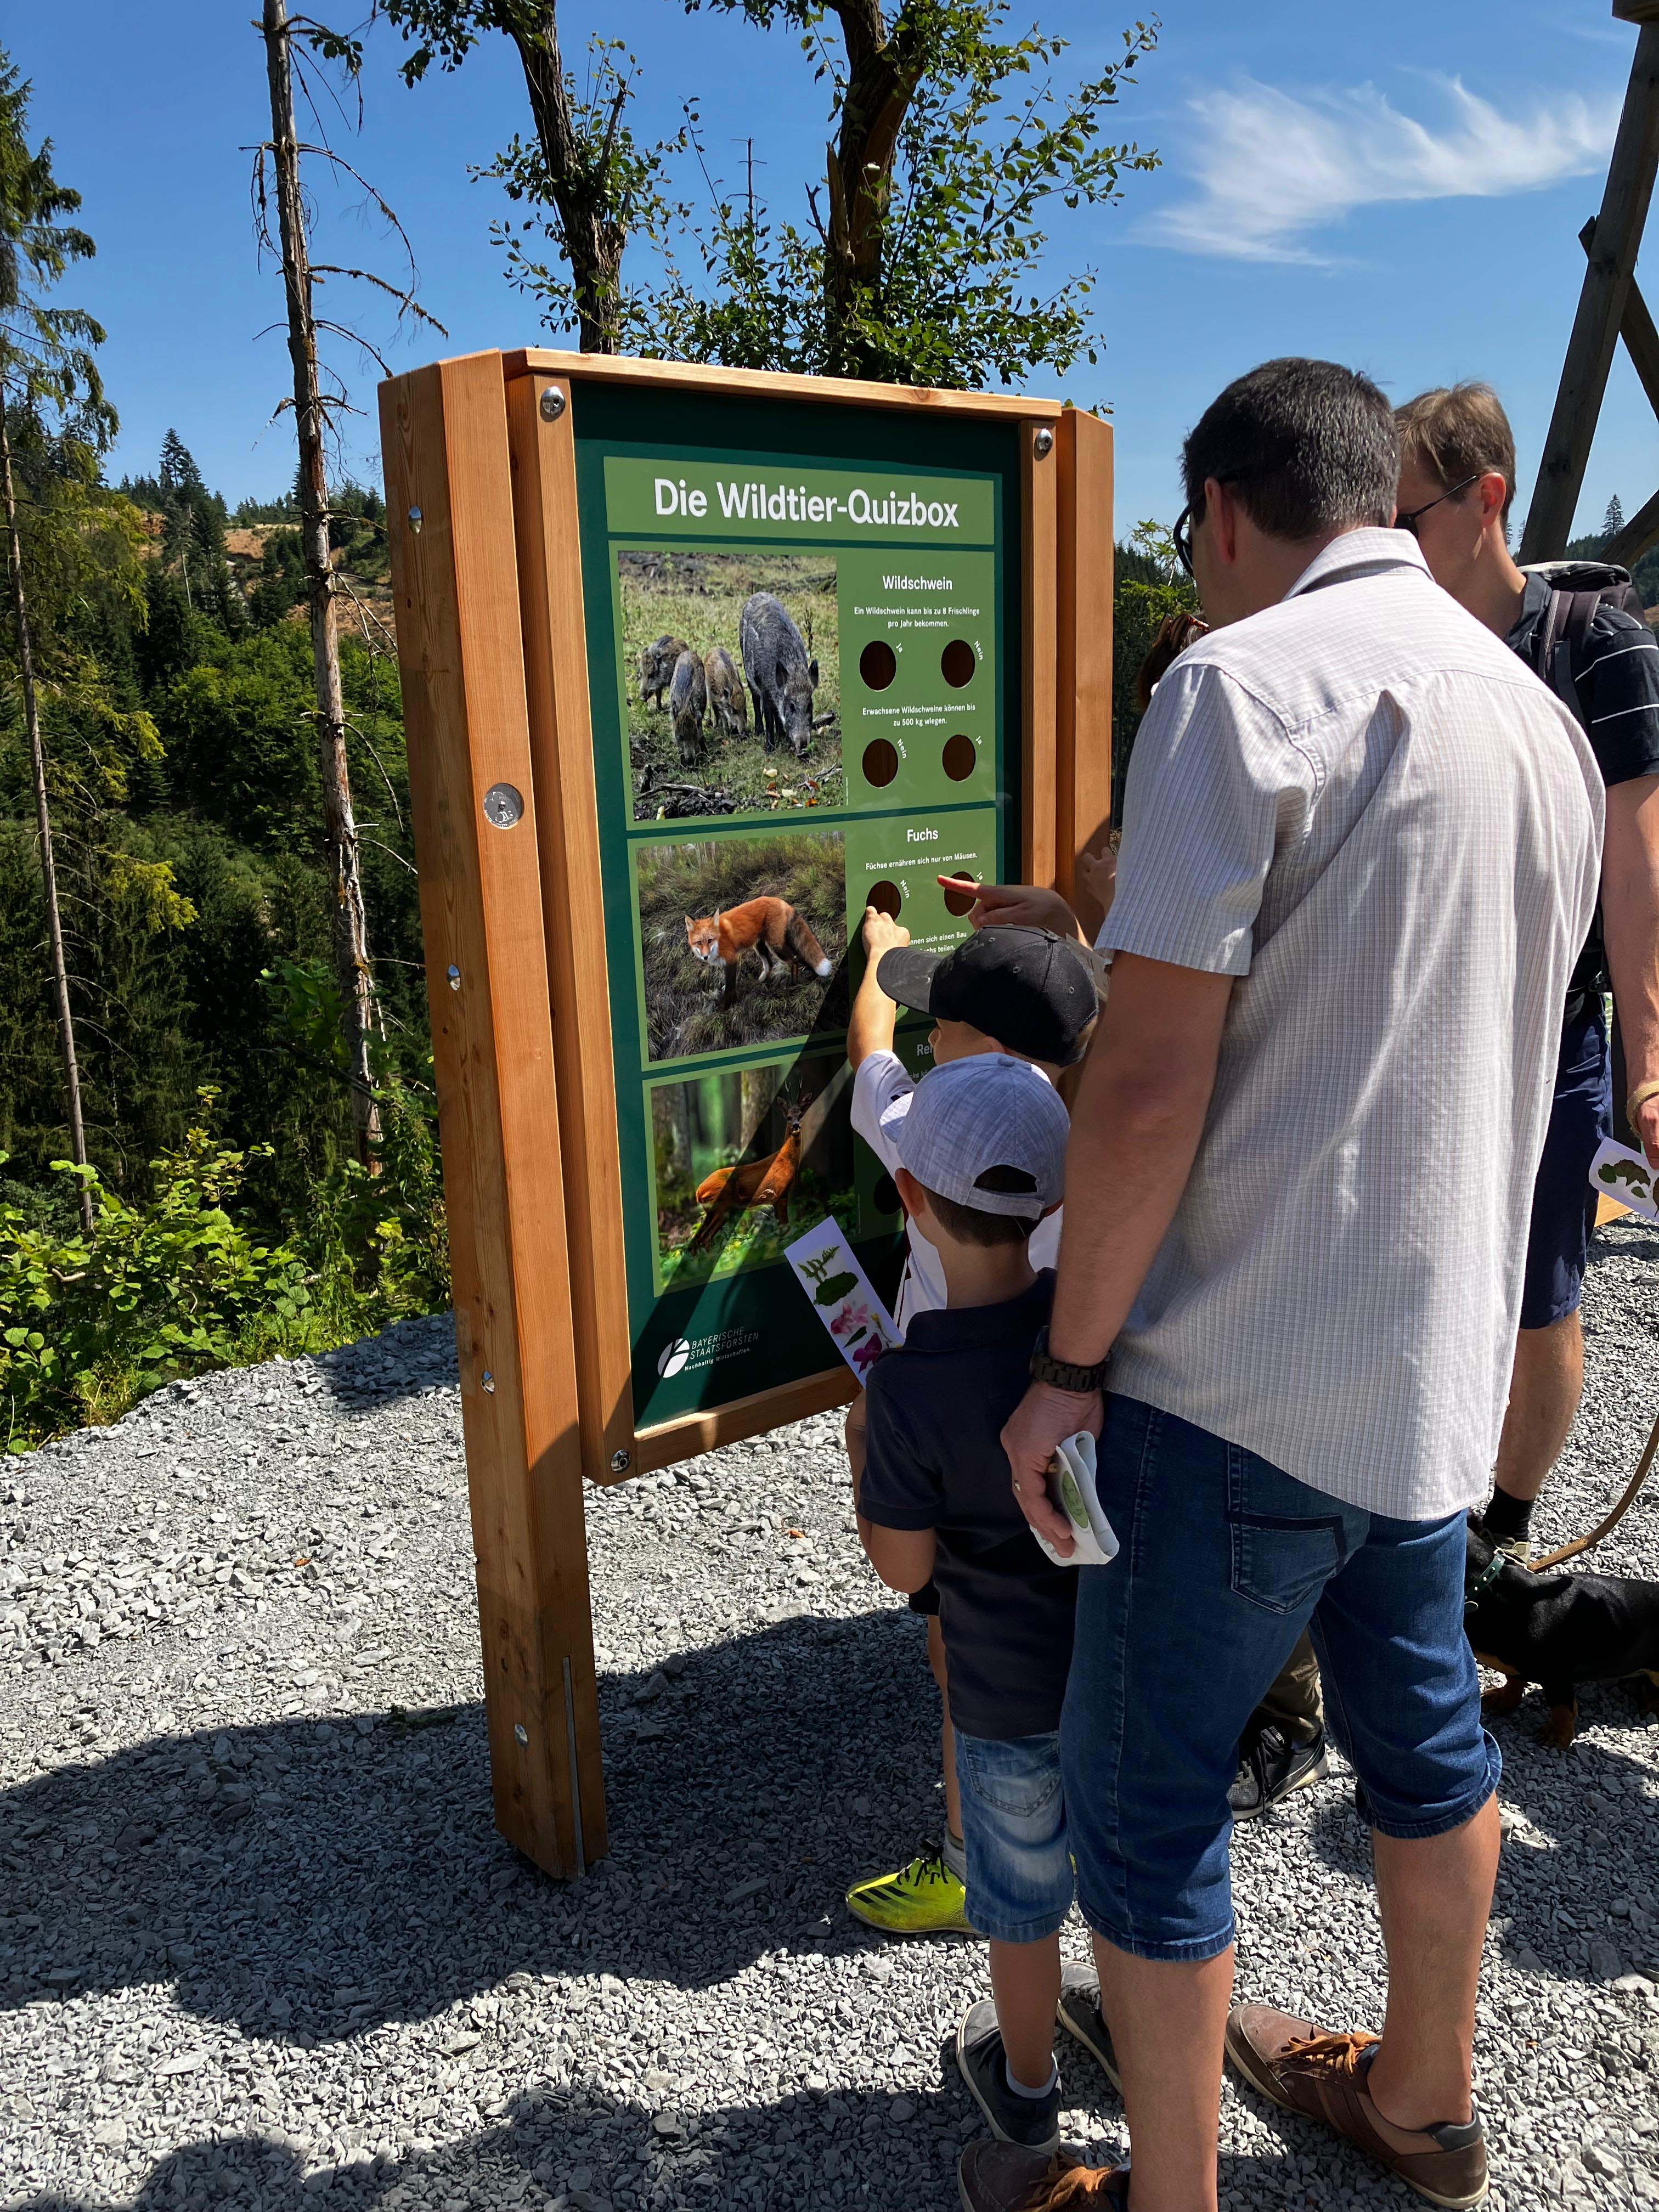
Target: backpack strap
1562,637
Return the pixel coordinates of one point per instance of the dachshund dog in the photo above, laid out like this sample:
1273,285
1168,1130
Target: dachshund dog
1558,1630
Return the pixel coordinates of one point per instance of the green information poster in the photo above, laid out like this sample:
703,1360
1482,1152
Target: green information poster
803,696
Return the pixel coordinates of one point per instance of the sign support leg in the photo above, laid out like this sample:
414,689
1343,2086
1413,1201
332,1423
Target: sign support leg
460,654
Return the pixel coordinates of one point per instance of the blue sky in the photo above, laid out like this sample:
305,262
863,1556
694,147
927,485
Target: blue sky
1399,189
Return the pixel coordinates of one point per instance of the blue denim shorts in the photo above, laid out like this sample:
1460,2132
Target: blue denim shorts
1563,1197
1224,1561
1013,1823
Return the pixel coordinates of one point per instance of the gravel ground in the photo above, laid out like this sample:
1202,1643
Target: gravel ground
260,1944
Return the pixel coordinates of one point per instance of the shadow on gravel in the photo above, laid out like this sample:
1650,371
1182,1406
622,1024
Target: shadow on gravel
310,1879
879,2151
1590,1805
403,1361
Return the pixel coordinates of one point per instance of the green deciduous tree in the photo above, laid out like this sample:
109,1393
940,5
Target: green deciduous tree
922,257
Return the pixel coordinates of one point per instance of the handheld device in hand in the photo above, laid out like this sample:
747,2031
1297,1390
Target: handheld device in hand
1071,1491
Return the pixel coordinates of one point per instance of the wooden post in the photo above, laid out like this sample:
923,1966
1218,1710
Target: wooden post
444,438
1600,309
561,749
1083,747
1039,485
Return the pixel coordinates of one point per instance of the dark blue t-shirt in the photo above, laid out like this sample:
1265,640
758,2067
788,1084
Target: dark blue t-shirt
934,1460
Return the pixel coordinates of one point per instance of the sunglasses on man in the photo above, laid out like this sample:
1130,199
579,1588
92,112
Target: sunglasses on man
1182,532
1411,521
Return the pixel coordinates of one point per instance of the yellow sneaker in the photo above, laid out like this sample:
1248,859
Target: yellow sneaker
924,1898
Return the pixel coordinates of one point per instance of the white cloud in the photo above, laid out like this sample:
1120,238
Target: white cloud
1272,167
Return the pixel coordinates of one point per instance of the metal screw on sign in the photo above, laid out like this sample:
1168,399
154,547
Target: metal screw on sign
488,1382
552,404
620,1463
521,1732
1043,443
503,804
414,519
454,977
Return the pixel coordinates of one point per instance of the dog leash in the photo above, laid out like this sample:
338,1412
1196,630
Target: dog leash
1582,1544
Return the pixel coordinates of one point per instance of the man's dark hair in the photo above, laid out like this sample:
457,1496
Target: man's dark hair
1305,447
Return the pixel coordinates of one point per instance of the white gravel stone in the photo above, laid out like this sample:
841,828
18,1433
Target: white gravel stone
261,1945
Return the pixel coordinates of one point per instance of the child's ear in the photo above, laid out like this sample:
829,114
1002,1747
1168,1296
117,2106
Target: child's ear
912,1197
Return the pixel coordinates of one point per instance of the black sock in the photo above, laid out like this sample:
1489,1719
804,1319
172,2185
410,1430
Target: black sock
1507,1517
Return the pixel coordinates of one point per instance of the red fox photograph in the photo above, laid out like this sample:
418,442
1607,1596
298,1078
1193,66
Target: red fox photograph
769,926
743,940
747,1161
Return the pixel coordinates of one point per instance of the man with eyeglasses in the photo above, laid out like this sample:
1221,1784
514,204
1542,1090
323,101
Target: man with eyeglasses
1360,850
1457,480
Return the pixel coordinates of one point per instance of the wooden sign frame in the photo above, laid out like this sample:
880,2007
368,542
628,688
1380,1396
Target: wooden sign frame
480,471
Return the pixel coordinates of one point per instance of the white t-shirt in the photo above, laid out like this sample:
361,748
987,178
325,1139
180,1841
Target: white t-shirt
882,1088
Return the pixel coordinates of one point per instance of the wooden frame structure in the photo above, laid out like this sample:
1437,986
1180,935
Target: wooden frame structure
480,461
1609,307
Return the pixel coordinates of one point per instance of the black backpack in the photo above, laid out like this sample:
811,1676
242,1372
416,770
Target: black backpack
1577,589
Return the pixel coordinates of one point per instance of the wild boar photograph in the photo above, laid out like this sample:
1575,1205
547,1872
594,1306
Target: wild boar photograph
742,940
731,682
748,1161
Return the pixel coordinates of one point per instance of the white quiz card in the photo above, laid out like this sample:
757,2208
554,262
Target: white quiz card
1625,1176
860,1324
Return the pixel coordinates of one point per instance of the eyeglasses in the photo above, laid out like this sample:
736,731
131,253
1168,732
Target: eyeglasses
1182,532
1410,521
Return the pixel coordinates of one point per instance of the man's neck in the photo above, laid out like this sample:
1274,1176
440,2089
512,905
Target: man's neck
1497,591
977,1275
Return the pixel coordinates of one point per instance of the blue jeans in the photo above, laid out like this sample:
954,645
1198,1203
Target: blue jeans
1225,1560
1013,1826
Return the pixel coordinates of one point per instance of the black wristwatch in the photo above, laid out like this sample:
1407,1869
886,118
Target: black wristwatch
1064,1374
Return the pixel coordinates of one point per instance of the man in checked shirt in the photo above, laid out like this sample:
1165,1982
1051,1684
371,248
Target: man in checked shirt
1361,848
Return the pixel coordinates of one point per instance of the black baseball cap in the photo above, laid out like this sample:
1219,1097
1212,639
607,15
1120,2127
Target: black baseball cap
1032,991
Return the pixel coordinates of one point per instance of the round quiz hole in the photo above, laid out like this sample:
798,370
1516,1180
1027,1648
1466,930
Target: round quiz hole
884,897
880,761
886,1195
877,665
959,902
960,758
956,663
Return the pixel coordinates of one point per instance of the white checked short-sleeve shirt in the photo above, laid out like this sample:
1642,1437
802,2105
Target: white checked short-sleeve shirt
1361,803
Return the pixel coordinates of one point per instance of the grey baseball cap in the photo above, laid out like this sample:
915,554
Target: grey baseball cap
988,1132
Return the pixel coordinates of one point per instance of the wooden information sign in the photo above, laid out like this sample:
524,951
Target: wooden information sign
696,664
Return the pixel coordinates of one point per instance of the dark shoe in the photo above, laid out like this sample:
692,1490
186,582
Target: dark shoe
995,2176
1270,1767
1033,2122
1309,2070
1078,2013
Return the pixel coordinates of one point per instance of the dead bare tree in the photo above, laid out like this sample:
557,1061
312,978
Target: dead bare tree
360,1014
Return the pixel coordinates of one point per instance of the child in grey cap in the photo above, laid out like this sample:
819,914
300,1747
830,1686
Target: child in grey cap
981,1160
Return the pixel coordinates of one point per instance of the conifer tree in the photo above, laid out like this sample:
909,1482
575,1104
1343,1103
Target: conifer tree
1614,521
48,375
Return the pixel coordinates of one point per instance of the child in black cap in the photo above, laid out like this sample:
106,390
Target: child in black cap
1031,995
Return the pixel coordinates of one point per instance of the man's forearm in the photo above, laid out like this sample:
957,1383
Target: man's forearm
1135,1131
1630,922
1125,1168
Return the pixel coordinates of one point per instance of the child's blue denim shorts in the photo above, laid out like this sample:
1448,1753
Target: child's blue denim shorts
1013,1823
